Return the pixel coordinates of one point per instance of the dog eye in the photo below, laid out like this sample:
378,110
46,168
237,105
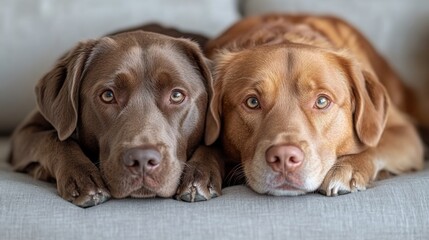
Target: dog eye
108,96
252,103
322,102
177,97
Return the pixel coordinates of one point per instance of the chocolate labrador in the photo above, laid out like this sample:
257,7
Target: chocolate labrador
120,116
305,103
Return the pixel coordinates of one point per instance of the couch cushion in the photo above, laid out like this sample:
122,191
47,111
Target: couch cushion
35,33
396,208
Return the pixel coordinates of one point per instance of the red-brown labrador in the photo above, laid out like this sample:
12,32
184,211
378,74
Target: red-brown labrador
305,103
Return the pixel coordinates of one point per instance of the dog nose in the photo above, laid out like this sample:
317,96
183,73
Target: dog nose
142,160
284,158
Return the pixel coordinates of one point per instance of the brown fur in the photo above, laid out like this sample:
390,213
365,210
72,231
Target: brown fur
73,131
287,62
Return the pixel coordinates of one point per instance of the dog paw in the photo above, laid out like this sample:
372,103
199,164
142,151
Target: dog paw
199,185
343,179
84,188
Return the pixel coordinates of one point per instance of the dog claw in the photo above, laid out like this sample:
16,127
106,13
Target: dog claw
192,196
83,189
343,192
199,198
92,199
185,197
213,192
75,194
189,198
201,179
343,180
321,191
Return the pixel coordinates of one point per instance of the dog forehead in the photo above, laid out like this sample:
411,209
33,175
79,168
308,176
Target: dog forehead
108,61
320,70
304,69
264,69
249,67
133,58
282,71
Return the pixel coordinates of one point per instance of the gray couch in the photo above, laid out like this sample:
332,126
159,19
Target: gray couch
34,33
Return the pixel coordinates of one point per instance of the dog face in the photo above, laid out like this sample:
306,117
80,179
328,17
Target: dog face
288,112
136,102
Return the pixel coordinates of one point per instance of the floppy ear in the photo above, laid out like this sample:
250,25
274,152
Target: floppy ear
57,92
193,51
212,120
371,104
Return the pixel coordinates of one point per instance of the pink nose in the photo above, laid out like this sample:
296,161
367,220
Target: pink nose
284,158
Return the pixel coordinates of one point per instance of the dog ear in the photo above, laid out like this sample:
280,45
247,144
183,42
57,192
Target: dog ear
205,65
213,119
371,105
57,92
193,51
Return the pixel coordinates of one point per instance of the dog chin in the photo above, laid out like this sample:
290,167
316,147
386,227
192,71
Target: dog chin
142,193
286,192
166,191
281,190
139,191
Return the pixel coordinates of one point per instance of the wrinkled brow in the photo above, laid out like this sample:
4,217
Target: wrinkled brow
124,80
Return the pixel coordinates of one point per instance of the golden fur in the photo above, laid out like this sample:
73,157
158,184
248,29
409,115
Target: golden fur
284,65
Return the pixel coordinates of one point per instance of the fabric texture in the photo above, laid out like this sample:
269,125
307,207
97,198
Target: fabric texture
395,208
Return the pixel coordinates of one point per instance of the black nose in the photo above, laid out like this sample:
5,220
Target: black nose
141,159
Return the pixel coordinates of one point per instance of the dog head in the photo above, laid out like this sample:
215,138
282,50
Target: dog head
289,111
135,102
